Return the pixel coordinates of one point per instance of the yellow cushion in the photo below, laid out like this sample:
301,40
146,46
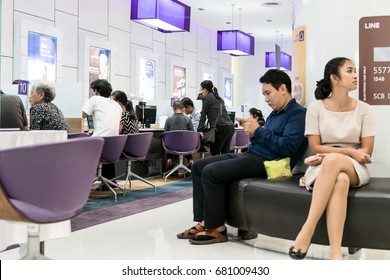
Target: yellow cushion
278,168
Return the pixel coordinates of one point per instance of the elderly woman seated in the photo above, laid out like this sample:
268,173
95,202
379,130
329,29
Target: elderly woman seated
44,115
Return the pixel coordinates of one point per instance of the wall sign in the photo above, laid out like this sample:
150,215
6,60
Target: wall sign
374,60
22,87
42,57
299,65
179,81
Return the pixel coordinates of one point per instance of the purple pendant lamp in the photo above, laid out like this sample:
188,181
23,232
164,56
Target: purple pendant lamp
235,42
163,15
278,59
285,60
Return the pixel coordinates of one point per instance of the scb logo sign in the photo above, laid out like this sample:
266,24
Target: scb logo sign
301,36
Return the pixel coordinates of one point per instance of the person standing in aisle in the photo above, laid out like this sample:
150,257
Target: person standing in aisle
213,108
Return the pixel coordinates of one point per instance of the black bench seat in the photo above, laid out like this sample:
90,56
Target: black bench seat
279,207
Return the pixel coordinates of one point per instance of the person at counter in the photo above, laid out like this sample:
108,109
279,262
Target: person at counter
129,121
44,115
178,121
189,110
12,112
256,114
106,113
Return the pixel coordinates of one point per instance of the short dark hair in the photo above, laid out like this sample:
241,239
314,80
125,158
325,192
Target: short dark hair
177,105
187,102
276,78
103,87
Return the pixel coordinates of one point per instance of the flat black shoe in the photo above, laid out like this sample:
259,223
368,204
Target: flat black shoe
296,254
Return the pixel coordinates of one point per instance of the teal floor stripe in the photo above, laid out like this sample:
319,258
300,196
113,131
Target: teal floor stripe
103,202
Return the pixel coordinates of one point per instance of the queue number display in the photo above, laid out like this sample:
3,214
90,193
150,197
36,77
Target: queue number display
374,60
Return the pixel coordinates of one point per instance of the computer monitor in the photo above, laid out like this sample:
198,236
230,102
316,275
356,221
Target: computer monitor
232,116
146,114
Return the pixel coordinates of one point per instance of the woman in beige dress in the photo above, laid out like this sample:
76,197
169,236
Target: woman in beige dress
340,132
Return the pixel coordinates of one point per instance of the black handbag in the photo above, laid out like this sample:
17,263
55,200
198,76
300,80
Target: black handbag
209,134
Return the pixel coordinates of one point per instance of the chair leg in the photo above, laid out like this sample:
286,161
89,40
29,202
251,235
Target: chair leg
170,172
179,166
108,183
129,174
142,179
128,171
33,244
182,166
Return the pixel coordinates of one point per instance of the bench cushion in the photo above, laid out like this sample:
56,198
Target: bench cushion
279,207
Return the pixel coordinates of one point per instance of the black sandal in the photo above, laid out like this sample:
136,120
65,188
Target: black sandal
210,236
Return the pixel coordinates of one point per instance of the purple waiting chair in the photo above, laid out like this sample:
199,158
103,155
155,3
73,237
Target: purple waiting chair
46,183
242,140
181,143
112,150
136,148
233,141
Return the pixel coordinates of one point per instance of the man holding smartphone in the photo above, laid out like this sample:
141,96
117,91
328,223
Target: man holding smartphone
283,136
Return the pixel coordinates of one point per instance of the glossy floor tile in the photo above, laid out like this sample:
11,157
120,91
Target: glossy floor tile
151,235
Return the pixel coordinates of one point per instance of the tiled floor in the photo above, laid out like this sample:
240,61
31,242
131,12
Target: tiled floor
151,235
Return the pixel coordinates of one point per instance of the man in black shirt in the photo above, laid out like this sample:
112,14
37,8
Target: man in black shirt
12,112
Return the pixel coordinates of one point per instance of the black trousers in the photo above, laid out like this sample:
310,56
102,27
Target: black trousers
210,178
108,170
223,136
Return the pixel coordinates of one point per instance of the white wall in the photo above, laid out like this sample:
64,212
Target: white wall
332,30
109,21
247,72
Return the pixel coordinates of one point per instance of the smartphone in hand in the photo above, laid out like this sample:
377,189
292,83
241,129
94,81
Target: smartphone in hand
311,159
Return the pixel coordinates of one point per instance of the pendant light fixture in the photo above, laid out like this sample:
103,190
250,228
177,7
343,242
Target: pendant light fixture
235,42
278,59
163,15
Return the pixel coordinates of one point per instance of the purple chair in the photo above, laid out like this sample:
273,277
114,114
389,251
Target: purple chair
112,150
233,141
46,183
136,148
73,135
242,140
181,143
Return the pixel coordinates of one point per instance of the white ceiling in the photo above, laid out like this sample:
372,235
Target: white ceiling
253,18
